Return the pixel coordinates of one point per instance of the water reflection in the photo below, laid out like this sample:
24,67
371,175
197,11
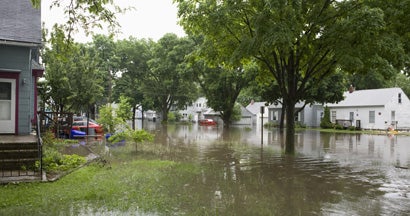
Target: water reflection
243,171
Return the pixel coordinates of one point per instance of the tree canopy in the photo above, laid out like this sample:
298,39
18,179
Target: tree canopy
86,15
166,82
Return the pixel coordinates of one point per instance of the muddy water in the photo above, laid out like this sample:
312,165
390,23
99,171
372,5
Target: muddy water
243,171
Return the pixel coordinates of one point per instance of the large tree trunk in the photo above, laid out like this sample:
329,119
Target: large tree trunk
226,118
282,118
290,100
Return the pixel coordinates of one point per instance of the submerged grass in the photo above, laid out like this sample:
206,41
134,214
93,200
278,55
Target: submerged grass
140,185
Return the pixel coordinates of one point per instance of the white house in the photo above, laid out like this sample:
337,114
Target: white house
196,110
373,109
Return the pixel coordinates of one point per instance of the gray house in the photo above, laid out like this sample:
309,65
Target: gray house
20,39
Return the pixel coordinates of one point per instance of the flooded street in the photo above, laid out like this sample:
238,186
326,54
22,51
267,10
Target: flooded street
243,171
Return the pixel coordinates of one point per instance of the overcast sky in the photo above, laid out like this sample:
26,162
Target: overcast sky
149,19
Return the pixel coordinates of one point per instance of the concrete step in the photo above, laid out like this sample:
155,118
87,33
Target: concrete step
18,155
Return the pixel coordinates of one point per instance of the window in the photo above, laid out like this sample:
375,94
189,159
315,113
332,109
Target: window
333,117
399,98
274,115
371,116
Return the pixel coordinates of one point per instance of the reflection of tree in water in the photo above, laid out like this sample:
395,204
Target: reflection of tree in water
234,181
231,134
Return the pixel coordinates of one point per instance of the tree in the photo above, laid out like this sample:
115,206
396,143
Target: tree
105,53
296,41
134,55
402,81
72,81
86,15
222,86
167,83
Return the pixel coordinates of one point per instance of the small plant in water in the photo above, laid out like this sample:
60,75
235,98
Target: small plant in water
135,136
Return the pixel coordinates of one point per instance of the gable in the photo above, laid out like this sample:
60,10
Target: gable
19,21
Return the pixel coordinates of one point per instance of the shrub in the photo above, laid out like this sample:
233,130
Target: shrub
326,123
270,125
136,136
338,127
54,161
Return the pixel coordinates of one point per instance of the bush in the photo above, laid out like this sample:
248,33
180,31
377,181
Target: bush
54,161
326,123
270,125
338,127
299,125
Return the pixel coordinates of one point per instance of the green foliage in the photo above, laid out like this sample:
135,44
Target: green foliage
86,15
300,125
135,136
270,125
124,109
174,116
351,128
222,85
325,122
72,80
171,117
236,113
167,83
53,159
107,119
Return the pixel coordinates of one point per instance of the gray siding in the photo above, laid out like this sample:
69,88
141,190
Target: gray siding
17,60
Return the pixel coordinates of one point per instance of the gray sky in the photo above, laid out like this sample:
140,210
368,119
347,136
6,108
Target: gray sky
149,19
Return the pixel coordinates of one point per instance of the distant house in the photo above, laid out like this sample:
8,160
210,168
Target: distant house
247,118
20,39
255,109
196,110
373,109
310,116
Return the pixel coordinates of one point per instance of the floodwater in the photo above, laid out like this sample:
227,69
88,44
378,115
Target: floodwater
243,171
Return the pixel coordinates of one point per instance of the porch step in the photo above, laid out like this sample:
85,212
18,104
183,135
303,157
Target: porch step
18,156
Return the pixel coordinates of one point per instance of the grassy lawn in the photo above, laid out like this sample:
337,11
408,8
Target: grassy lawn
136,186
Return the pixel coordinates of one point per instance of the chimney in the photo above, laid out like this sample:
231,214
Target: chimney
351,89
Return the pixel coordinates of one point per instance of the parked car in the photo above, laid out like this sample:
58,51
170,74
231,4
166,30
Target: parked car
207,122
94,129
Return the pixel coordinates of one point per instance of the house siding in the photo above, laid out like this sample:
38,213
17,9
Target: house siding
15,59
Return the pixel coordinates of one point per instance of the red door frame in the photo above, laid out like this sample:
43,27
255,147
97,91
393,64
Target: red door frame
16,76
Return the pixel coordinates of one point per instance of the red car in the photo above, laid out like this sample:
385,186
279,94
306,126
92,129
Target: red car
207,122
94,129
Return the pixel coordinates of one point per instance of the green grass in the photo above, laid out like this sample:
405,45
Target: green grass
143,185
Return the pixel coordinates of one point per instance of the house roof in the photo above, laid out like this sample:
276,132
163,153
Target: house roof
20,22
370,97
255,107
